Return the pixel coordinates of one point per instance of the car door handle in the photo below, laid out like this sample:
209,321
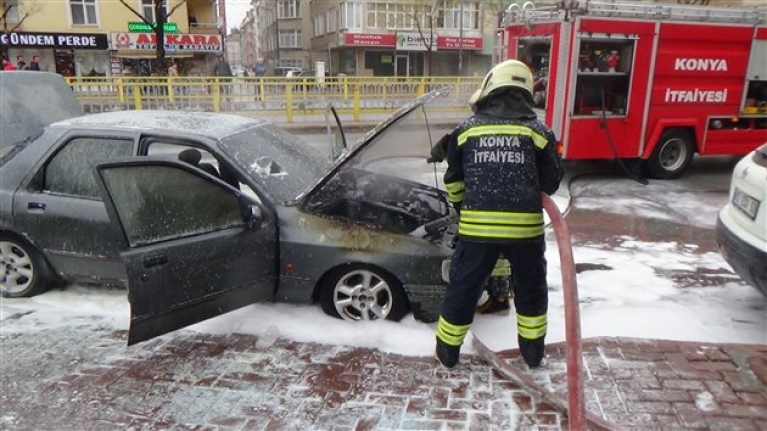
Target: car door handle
155,260
36,206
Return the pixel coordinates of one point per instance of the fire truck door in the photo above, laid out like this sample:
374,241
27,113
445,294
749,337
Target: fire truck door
608,89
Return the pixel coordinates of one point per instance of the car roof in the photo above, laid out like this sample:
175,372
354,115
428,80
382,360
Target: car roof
30,100
209,124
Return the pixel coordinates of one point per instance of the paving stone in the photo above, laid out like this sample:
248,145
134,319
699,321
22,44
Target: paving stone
191,381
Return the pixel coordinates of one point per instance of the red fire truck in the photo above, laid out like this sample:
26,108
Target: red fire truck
645,81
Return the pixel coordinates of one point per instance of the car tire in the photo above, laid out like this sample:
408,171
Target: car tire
672,155
363,292
23,270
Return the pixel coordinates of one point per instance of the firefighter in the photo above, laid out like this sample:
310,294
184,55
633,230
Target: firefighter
499,161
497,291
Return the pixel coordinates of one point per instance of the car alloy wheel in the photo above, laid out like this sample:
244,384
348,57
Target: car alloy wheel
21,269
362,293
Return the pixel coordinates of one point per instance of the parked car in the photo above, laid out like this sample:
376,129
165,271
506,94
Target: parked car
742,224
111,197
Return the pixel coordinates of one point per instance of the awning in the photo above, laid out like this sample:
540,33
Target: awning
137,54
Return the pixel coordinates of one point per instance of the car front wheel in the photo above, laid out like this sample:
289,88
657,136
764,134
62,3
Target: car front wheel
22,269
363,292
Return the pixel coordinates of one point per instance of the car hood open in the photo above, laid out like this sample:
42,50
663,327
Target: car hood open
31,100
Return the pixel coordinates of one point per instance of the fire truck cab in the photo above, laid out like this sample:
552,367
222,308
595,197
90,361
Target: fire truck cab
644,81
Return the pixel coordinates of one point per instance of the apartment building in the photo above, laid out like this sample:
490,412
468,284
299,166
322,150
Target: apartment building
104,38
283,28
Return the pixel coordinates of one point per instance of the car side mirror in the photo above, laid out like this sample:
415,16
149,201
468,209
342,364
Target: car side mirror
254,216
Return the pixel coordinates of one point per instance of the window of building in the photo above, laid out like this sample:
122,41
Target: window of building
147,9
288,9
330,20
11,10
390,16
83,12
291,62
290,39
351,15
449,14
319,25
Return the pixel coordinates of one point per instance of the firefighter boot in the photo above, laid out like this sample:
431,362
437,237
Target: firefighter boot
447,355
449,339
532,350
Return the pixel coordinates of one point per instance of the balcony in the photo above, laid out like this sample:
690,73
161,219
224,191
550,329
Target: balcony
203,28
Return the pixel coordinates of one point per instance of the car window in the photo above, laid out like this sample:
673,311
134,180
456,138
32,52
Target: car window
70,170
158,203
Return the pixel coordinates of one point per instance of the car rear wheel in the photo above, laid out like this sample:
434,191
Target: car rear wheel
672,155
23,272
363,292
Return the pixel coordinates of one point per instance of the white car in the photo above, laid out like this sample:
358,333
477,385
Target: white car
741,230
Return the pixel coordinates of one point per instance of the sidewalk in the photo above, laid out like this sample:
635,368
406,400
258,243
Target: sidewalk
82,377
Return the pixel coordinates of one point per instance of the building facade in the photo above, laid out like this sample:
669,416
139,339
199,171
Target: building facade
389,37
105,38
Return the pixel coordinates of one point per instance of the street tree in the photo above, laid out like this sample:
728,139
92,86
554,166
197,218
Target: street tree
158,26
423,13
12,16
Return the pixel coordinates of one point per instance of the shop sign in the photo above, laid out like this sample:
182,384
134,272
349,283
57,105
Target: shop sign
448,42
370,39
173,42
142,27
415,42
23,39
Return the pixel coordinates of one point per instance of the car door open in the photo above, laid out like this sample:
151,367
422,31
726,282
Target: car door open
193,247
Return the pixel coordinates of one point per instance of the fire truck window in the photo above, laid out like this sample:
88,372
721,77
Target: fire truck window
756,97
535,52
604,75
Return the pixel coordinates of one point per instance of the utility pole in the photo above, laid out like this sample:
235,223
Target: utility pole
277,32
460,38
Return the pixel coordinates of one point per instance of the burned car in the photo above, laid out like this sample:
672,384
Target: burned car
201,213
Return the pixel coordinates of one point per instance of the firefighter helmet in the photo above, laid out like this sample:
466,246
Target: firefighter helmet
510,73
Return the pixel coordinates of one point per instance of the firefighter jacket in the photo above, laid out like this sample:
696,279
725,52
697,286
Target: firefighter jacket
497,168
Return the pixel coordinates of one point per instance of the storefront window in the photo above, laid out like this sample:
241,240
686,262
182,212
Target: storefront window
92,63
83,12
380,62
604,75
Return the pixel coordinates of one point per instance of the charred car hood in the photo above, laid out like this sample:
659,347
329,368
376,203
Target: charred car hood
355,190
30,101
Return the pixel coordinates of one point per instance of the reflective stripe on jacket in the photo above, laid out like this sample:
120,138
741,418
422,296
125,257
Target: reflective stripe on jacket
497,169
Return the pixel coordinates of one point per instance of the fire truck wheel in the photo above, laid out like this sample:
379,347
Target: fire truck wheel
672,155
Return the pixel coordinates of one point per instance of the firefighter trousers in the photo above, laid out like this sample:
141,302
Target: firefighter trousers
470,267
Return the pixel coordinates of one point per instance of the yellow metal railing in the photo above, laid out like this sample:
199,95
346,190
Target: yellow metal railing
268,97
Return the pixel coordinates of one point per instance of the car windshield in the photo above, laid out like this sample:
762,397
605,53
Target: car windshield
285,165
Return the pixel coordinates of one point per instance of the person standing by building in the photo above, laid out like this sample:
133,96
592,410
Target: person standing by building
223,72
20,63
499,161
8,65
35,64
259,71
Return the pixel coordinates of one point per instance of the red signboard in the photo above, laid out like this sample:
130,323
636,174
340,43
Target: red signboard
448,42
370,39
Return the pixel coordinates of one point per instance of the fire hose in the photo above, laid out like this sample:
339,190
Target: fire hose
574,407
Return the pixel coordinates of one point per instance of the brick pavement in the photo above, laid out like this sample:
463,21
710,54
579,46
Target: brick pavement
83,377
